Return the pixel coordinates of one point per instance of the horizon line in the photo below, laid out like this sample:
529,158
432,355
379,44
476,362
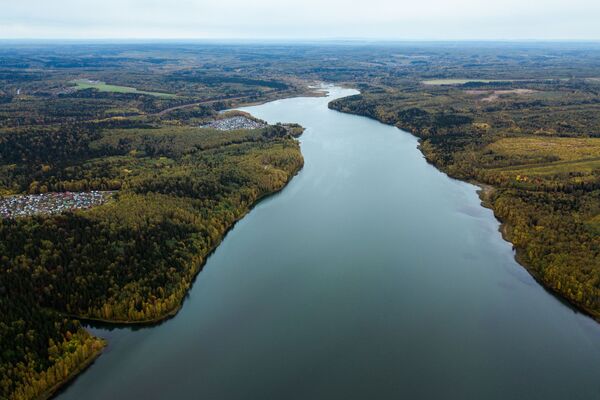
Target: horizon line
300,39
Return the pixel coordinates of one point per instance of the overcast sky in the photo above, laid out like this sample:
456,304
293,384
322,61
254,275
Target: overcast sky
297,19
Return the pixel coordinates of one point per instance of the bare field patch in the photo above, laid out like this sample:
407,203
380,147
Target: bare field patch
492,95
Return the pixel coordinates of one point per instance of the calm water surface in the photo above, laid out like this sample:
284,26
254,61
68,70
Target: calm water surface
371,276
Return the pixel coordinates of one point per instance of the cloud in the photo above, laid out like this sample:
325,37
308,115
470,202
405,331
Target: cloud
387,19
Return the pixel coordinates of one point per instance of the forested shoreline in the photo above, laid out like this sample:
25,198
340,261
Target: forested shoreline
546,196
180,188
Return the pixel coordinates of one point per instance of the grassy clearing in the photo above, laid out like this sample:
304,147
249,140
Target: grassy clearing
569,160
551,174
493,95
83,84
564,149
580,168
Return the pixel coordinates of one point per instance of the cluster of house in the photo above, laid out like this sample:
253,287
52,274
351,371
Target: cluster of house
233,123
50,203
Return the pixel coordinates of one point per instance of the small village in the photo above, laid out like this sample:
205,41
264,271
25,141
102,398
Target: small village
233,123
50,203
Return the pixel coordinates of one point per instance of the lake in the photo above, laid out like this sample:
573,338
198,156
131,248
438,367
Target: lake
372,275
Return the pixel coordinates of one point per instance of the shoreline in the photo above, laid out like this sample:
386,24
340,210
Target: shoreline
238,102
309,91
172,313
54,390
504,228
484,192
50,393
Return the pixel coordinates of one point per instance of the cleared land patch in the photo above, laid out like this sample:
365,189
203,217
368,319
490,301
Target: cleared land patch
492,95
83,84
578,169
546,160
563,149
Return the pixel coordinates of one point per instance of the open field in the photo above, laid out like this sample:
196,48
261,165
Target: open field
545,161
571,172
563,149
493,95
83,84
